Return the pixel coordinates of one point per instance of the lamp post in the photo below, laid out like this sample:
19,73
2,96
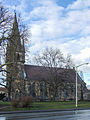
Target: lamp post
76,67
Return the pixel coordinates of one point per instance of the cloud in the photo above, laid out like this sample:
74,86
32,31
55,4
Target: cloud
79,4
53,26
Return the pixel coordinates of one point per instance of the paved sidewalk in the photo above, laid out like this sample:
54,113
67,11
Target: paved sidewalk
2,107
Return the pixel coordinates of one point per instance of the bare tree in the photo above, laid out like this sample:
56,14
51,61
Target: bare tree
5,28
69,62
53,62
5,23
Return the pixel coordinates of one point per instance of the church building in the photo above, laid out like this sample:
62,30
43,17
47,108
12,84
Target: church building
33,80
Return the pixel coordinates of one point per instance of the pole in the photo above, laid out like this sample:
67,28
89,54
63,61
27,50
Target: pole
76,80
76,87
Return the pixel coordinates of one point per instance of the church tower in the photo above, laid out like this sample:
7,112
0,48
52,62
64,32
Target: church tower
15,55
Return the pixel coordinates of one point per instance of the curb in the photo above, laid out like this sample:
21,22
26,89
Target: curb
38,111
3,107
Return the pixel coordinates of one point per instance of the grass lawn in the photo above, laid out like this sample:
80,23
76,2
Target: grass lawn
48,105
4,103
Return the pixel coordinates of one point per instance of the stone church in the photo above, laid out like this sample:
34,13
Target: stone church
33,80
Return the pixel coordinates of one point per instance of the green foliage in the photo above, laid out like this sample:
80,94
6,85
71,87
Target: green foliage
2,95
49,105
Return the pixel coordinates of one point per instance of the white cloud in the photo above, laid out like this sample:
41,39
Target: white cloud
74,23
84,54
47,10
80,4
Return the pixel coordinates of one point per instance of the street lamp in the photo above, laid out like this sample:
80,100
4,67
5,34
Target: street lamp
76,78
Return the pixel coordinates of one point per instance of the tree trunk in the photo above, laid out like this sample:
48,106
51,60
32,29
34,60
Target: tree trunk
9,94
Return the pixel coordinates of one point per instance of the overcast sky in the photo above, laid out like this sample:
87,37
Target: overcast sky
63,24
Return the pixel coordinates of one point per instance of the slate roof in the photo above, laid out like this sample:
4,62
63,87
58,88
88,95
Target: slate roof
41,73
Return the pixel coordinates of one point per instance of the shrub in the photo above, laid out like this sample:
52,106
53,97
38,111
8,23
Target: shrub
23,101
2,95
26,101
15,103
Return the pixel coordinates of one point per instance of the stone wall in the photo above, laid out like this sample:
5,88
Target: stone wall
41,91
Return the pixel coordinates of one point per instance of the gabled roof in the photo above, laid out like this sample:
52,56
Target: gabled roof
42,73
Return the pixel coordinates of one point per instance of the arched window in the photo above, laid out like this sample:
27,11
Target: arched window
18,56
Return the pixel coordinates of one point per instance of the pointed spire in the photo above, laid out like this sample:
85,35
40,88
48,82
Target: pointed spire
16,34
15,17
15,25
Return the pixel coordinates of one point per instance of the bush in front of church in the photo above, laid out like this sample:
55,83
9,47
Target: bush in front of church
24,101
15,103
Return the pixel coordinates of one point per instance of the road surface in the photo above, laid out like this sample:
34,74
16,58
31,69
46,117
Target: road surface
59,115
